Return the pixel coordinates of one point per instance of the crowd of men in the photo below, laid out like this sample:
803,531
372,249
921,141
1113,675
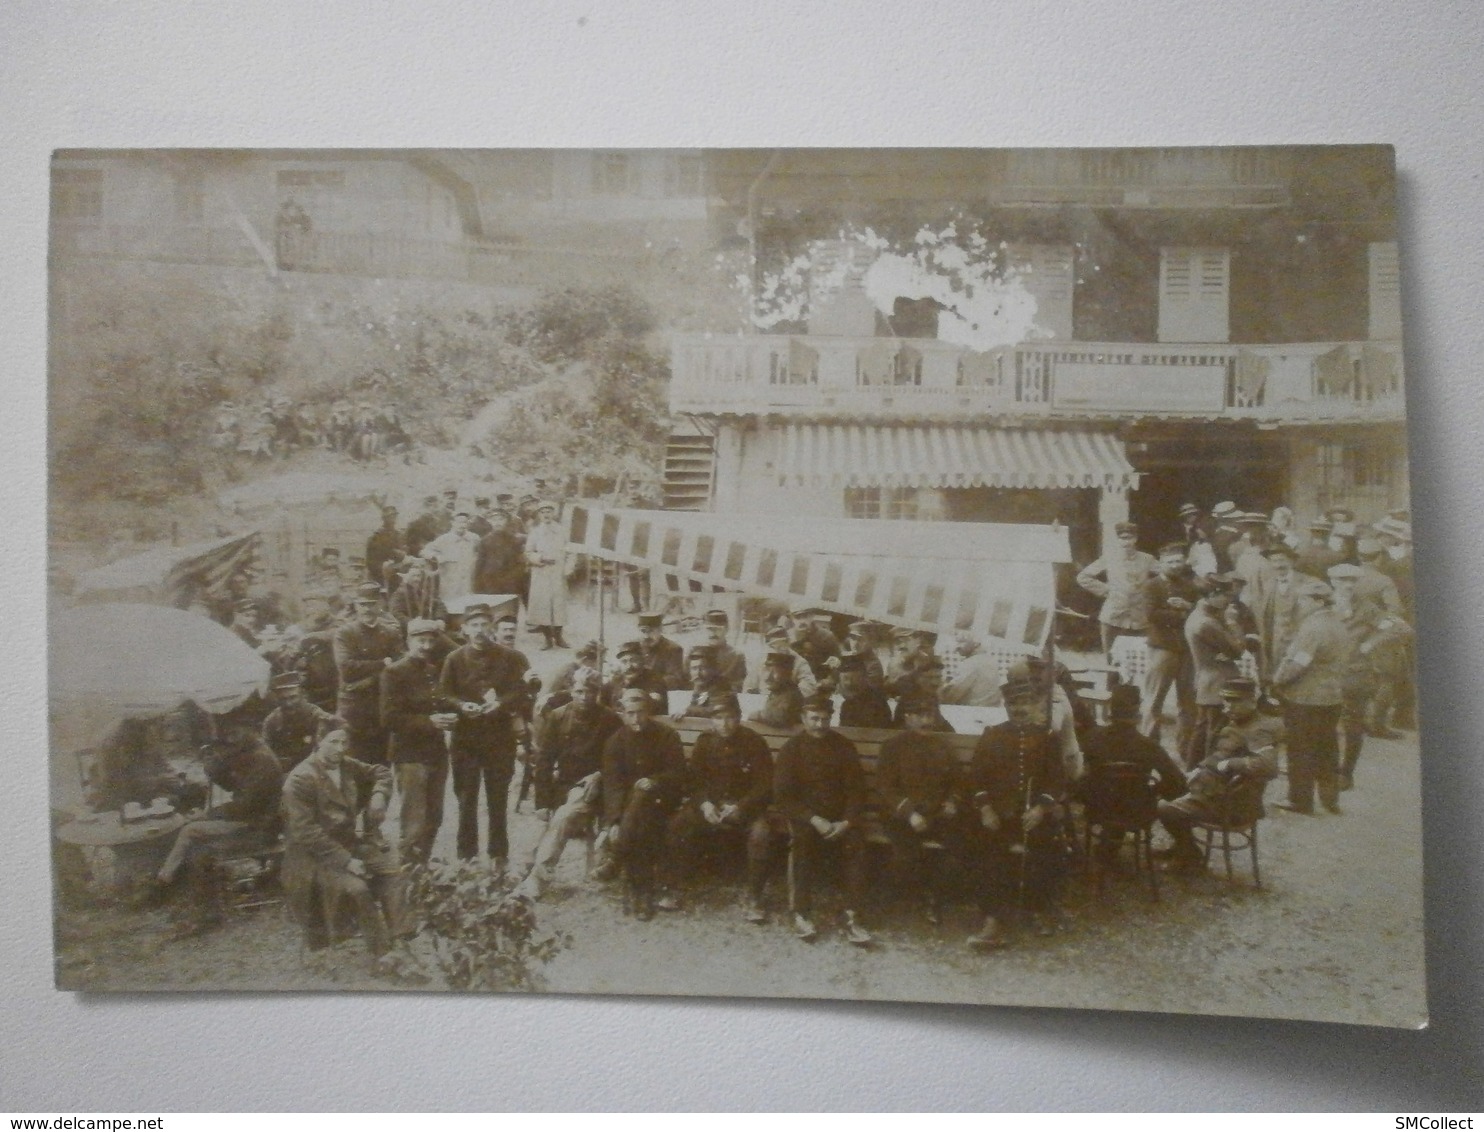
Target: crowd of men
280,426
1322,618
420,700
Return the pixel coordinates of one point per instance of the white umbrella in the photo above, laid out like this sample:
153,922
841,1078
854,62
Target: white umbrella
138,661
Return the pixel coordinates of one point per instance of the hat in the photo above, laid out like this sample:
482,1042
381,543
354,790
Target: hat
1342,570
246,605
902,633
651,621
477,609
288,681
589,649
1177,548
819,701
701,652
717,617
503,497
1345,529
1123,701
1315,588
1125,528
1341,515
1250,517
423,627
777,658
1189,509
450,492
629,648
1224,510
1281,550
857,628
464,511
368,593
586,678
430,501
852,662
1321,524
918,703
1400,514
506,617
1239,688
726,704
1367,546
481,501
546,505
1217,583
777,637
1394,528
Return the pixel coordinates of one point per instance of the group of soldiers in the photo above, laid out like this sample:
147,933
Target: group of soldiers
1322,621
420,701
280,426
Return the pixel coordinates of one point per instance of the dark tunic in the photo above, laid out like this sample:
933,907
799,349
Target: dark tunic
819,778
252,774
667,660
867,709
361,653
653,752
292,731
409,697
469,674
737,770
1011,769
1121,742
916,773
499,564
569,747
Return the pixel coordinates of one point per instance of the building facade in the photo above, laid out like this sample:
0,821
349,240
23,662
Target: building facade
1209,324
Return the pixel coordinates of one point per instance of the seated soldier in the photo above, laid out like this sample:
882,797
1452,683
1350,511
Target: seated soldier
558,689
821,791
784,703
862,704
706,687
294,727
859,641
334,806
925,682
632,673
731,783
241,765
918,780
644,776
568,774
1018,784
1229,782
729,663
1121,741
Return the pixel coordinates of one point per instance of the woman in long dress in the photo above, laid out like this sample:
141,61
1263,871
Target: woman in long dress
547,608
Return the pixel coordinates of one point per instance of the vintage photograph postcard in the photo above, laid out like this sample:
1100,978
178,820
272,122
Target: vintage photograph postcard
969,576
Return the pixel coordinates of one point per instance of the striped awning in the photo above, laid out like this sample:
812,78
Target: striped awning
862,455
992,580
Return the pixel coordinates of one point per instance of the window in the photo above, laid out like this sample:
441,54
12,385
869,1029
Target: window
881,502
1385,292
683,177
611,174
1194,289
77,194
1353,475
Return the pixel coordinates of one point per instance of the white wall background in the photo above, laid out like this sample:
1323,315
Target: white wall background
659,72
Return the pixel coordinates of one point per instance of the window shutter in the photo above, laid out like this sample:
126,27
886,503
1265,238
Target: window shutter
1386,292
1194,294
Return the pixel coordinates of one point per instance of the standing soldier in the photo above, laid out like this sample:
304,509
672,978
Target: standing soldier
545,550
418,723
644,779
1215,650
487,682
1170,595
294,727
1017,785
1310,681
1223,534
364,647
384,545
861,704
821,790
633,673
1118,578
425,528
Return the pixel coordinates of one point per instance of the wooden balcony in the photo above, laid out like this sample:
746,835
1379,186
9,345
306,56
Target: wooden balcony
817,376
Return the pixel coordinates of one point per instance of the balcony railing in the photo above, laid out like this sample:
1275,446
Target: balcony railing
344,253
902,377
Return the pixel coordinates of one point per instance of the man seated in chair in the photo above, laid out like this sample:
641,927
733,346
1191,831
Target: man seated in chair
731,783
1228,783
334,806
568,774
244,767
1121,742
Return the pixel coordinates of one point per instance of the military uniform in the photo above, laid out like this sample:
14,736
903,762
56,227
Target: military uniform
666,660
917,774
361,653
292,730
652,752
821,777
419,750
737,771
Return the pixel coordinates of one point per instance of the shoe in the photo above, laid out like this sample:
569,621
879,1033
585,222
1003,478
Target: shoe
1383,733
756,913
1347,782
668,903
855,935
1334,808
988,938
804,928
1295,808
561,642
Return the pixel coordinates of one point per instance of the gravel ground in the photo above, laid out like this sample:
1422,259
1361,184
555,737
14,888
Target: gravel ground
1336,934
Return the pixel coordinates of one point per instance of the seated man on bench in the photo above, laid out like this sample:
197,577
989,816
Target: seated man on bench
731,784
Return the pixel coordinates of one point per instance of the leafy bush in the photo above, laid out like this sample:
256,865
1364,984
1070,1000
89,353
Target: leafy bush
564,327
478,935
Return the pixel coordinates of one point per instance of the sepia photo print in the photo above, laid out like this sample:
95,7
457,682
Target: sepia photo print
948,575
